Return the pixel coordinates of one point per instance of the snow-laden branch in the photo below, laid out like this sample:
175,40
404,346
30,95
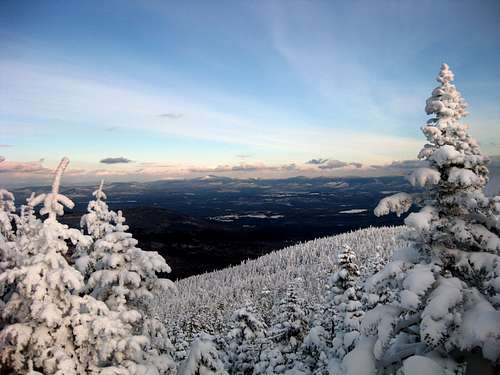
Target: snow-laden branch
401,351
54,202
398,203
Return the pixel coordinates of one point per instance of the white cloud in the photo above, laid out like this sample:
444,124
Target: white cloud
117,160
78,100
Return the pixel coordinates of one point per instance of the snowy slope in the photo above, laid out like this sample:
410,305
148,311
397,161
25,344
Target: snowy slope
207,300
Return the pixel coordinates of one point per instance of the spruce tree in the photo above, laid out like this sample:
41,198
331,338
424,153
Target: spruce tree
97,221
203,358
124,277
445,305
346,306
7,214
244,338
46,327
281,350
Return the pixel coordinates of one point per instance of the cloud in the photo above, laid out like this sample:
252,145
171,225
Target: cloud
246,168
33,172
2,158
112,128
317,161
333,164
6,146
30,167
327,164
401,166
173,116
118,160
78,97
243,156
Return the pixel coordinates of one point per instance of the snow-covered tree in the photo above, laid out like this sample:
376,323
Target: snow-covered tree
203,358
445,304
45,325
243,339
42,289
315,350
7,214
20,246
8,252
124,273
346,306
97,221
281,349
179,341
124,276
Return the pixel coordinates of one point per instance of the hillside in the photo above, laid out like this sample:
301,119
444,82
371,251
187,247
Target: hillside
208,300
220,221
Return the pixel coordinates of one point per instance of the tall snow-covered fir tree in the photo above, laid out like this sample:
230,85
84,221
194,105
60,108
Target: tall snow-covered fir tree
124,276
97,222
444,312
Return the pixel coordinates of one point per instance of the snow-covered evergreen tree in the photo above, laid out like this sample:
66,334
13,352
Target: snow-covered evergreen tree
97,221
243,339
179,342
124,276
315,350
9,254
45,325
347,308
124,273
203,358
7,214
281,350
445,304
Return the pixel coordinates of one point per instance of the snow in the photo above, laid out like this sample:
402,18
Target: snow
421,221
267,277
361,360
445,155
90,301
203,358
481,328
424,176
417,365
354,211
233,217
398,203
464,177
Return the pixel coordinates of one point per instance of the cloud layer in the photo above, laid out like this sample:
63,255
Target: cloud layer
36,172
118,160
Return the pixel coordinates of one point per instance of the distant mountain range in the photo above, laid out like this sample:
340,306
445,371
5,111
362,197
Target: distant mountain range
211,222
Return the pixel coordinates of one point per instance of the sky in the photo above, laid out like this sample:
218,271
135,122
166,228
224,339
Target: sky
144,90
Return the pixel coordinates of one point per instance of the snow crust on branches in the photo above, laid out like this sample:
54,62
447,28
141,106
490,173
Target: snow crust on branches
453,277
48,323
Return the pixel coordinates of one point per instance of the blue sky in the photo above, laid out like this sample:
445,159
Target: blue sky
238,87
